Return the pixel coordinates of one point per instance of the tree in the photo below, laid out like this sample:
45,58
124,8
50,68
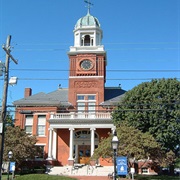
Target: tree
20,143
133,143
9,119
153,107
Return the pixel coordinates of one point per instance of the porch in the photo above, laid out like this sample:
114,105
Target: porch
80,132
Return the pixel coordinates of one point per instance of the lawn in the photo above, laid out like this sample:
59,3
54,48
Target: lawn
141,177
55,177
39,177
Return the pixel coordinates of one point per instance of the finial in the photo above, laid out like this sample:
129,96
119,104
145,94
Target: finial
89,4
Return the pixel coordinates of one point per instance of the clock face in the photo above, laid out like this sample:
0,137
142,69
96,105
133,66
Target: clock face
86,64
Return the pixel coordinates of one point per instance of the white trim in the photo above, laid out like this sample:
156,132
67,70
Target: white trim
85,95
86,77
40,113
65,126
39,144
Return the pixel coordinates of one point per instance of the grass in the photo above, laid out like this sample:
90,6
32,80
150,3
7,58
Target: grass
39,177
55,177
148,177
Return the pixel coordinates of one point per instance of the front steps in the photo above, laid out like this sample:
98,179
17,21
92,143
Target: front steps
80,170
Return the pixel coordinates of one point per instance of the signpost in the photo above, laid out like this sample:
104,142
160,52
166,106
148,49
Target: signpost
12,168
122,169
132,171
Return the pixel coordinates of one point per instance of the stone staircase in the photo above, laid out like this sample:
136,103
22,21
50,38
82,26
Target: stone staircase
80,170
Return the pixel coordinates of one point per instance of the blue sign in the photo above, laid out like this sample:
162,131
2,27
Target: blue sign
122,165
12,166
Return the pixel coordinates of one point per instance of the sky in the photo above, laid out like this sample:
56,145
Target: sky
141,37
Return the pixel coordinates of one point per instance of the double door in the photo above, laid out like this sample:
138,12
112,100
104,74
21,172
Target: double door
84,154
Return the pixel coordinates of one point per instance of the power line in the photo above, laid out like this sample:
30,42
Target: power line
67,45
111,70
157,101
96,111
112,79
108,49
104,43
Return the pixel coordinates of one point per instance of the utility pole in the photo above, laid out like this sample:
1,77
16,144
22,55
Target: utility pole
4,100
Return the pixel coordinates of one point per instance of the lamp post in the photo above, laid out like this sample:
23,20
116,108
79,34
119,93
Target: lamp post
10,154
114,145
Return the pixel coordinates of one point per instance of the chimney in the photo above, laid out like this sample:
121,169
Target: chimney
27,92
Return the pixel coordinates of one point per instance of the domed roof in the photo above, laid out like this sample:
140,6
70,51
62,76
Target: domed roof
87,20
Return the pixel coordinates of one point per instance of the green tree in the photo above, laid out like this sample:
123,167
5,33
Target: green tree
153,107
20,143
9,119
133,143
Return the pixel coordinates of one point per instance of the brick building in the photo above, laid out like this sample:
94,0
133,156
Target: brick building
69,122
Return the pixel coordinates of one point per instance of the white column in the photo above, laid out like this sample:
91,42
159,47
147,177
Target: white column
54,144
95,39
50,144
113,129
71,144
83,41
92,140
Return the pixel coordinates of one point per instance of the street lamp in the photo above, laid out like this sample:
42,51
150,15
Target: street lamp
114,145
10,154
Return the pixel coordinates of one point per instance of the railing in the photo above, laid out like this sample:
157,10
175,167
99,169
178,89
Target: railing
75,115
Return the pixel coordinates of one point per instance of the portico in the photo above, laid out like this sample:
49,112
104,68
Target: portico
83,136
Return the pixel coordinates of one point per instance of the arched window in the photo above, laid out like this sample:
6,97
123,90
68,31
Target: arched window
87,40
84,134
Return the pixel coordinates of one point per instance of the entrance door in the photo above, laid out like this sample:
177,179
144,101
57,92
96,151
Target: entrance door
84,154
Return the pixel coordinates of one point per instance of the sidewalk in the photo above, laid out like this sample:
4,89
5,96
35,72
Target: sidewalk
93,178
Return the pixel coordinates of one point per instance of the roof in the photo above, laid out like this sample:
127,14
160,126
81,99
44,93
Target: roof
113,95
59,98
87,20
55,98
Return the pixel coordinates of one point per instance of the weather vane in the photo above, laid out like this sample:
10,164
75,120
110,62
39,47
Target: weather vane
89,4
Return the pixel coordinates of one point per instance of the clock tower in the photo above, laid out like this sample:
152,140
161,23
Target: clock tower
87,64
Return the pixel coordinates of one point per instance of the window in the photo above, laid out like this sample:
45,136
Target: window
87,40
86,103
81,107
29,124
41,125
91,107
80,97
91,97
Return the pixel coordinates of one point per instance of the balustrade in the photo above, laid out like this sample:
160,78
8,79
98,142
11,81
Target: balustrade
85,115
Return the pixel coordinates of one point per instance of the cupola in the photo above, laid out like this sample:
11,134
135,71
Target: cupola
87,33
87,21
